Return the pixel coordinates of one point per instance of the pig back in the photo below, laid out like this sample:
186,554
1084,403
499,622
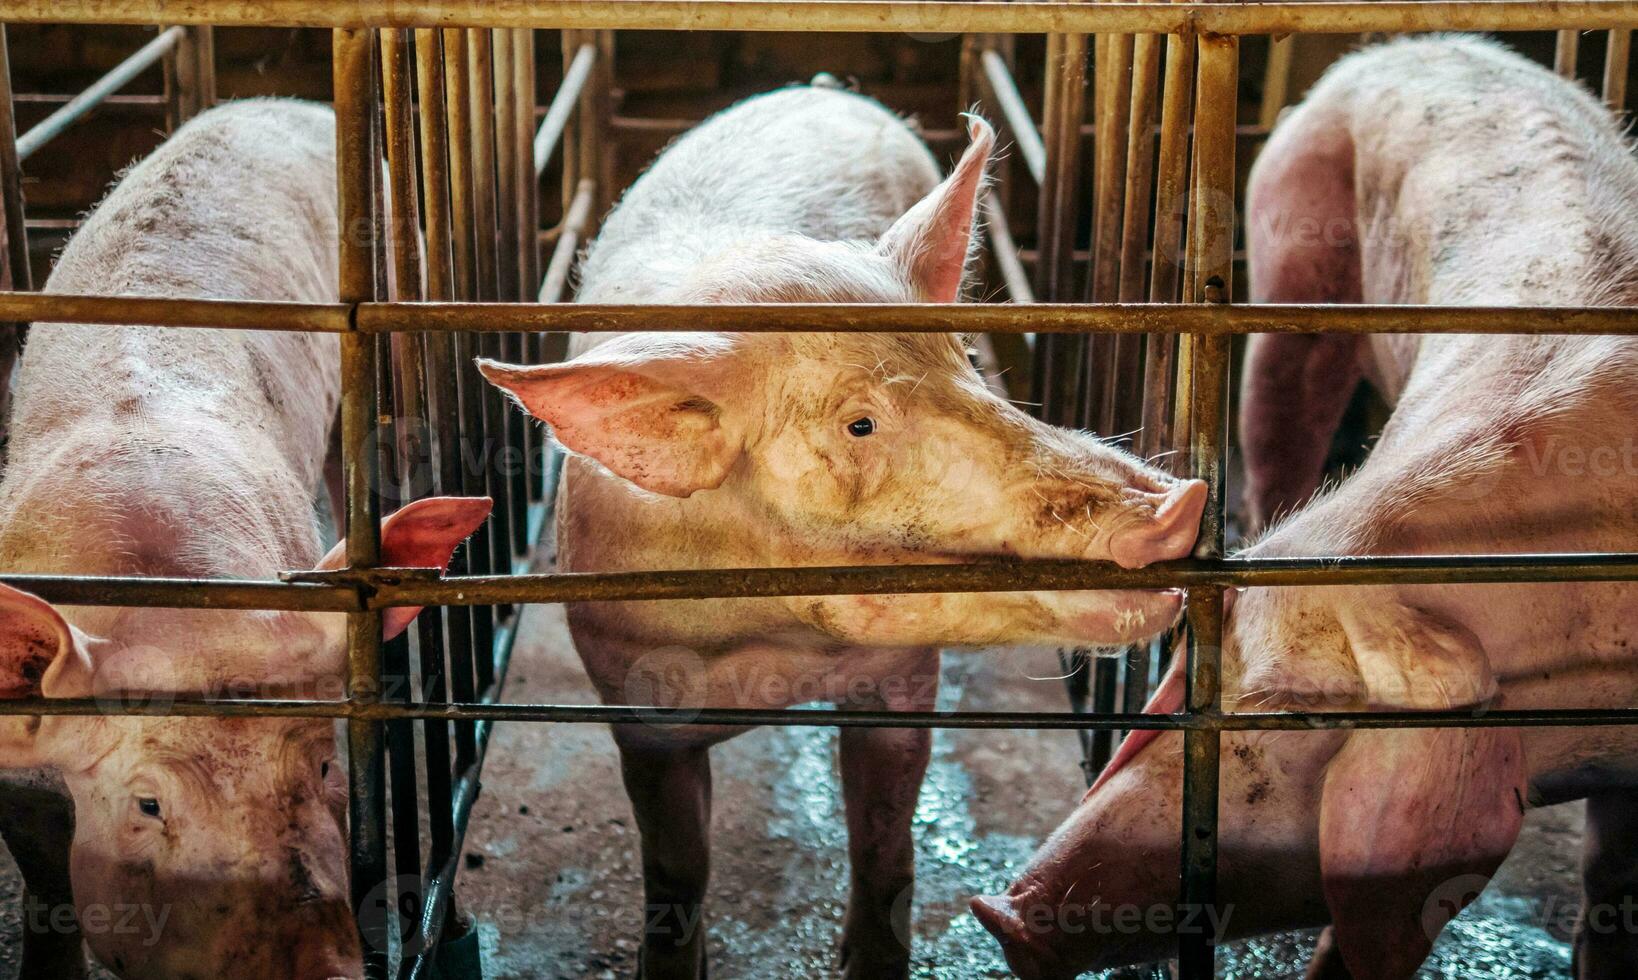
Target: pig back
806,160
239,204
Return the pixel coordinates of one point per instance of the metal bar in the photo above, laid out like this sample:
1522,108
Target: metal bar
1617,55
1140,168
996,318
477,712
1565,50
563,105
117,78
856,16
1005,250
1024,133
1277,79
357,164
1213,248
11,189
438,316
556,282
523,63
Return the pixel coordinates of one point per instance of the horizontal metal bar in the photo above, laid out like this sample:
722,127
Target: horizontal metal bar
381,588
117,78
563,105
152,705
1136,318
1025,134
796,317
865,16
166,312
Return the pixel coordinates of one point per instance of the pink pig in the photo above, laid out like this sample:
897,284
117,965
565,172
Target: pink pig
1397,181
732,450
200,847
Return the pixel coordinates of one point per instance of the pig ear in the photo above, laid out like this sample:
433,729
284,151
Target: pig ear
40,654
1414,822
628,416
933,240
423,534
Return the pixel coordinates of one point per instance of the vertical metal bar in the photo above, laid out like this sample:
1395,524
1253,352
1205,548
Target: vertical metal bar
570,140
403,453
598,143
1213,256
482,403
1565,52
534,446
463,193
510,472
11,179
1058,359
204,41
1277,80
440,425
1617,55
356,164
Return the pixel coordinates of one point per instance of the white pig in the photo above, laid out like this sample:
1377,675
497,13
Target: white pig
733,450
201,848
1437,171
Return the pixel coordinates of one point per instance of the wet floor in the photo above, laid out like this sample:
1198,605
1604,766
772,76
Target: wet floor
552,878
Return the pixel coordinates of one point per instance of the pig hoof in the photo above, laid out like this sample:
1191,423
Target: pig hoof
1026,957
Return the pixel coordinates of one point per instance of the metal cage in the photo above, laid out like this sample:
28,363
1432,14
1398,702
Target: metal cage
463,155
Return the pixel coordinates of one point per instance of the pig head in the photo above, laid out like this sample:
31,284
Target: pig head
206,847
814,449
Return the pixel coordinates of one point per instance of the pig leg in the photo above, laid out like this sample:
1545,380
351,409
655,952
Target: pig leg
1326,963
882,770
1297,388
670,792
1605,946
38,827
1302,247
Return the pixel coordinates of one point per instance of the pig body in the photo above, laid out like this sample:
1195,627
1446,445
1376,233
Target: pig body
736,450
191,453
1421,193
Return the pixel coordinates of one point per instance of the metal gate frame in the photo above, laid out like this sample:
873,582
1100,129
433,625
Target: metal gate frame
462,313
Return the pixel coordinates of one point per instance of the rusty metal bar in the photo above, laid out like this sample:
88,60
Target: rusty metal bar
856,16
117,78
1617,56
383,588
563,105
357,164
483,711
441,317
1566,48
1212,212
1024,133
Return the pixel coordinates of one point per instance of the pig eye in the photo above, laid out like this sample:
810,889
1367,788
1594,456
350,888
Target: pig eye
324,769
861,427
149,807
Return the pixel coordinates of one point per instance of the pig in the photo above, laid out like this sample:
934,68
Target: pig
1448,171
199,847
732,450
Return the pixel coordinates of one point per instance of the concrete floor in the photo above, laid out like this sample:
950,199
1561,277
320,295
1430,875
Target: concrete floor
552,878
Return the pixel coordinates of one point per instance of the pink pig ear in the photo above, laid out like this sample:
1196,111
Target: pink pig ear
423,534
631,415
1414,822
40,653
932,241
